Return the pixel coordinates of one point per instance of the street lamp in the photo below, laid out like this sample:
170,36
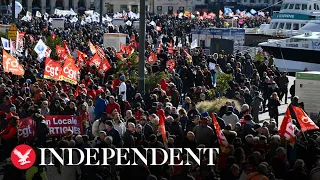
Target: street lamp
142,35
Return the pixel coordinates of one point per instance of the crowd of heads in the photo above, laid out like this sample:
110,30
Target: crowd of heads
119,115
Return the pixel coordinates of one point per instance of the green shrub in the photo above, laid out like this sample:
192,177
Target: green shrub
223,83
152,80
214,105
4,35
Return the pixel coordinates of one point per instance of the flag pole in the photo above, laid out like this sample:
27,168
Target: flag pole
142,34
13,11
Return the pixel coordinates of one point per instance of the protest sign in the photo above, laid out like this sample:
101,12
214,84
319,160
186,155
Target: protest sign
57,126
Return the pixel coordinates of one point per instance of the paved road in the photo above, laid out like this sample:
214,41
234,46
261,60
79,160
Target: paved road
282,108
53,175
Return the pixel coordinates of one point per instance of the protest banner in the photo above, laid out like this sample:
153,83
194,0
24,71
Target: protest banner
57,125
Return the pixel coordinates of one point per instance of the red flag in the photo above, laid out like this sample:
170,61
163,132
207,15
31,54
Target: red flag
171,64
152,58
77,91
129,50
100,51
305,122
53,36
119,56
135,44
60,50
95,61
81,57
286,129
122,48
162,119
170,48
92,48
133,38
104,67
66,47
224,145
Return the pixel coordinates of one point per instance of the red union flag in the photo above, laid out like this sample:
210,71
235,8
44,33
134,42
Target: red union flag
105,66
57,126
52,69
95,61
60,50
152,58
171,64
224,145
305,122
286,129
70,72
162,119
92,48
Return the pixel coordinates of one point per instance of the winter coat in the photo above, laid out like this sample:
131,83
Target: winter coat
204,134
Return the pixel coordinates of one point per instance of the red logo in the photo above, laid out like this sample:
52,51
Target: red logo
23,156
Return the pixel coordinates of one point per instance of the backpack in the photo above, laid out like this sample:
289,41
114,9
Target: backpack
37,175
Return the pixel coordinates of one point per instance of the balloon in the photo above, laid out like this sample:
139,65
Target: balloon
18,9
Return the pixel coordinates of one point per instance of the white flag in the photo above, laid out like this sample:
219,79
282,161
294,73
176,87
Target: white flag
38,14
194,44
5,44
42,50
26,53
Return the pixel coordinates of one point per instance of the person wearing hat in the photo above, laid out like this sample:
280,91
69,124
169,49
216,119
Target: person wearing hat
230,117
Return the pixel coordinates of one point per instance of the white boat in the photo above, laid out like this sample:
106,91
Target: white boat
293,15
296,53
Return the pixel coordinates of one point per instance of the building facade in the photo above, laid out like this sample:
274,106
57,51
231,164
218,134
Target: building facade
109,6
171,6
79,6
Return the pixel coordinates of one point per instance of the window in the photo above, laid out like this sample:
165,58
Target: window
281,26
301,25
259,1
317,7
304,7
123,8
314,6
134,8
295,26
286,6
288,26
291,6
310,7
252,1
274,26
297,6
266,1
110,9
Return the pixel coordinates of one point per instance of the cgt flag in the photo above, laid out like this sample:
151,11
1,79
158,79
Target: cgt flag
305,122
52,69
70,72
286,129
224,145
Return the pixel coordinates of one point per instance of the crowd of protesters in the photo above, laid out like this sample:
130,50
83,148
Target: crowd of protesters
121,116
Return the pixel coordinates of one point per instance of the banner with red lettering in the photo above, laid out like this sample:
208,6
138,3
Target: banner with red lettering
70,72
57,126
96,61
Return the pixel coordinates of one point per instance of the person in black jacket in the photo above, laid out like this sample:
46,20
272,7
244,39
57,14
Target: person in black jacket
128,137
273,105
110,131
